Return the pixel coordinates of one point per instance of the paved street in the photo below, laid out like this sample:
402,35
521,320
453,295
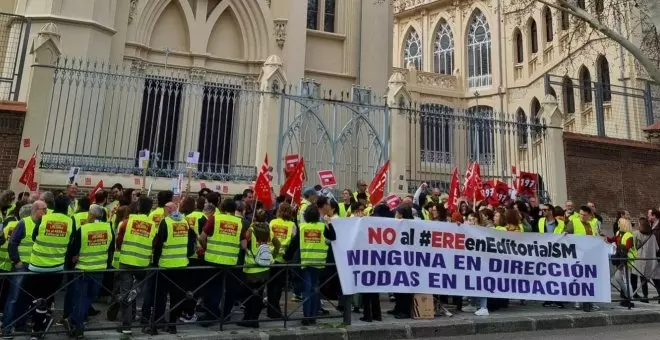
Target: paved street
636,332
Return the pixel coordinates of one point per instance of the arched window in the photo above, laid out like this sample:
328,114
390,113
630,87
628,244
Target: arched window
481,139
478,43
603,73
549,32
533,36
435,133
517,37
585,85
521,120
565,23
569,95
443,53
412,52
535,119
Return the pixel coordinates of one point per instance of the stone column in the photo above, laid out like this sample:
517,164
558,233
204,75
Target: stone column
45,49
398,98
555,179
272,82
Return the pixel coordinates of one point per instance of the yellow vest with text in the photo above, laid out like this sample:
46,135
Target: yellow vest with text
193,223
224,245
313,248
157,215
251,267
175,249
53,236
632,252
81,218
25,247
95,240
5,262
136,249
283,230
559,227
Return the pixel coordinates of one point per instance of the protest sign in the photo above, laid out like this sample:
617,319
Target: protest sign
327,178
381,255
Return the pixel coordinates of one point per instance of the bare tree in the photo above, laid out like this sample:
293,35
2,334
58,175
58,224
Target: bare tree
639,34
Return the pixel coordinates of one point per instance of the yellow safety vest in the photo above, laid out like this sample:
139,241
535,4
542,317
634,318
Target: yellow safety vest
157,215
355,193
81,218
632,253
115,255
426,214
53,236
504,228
303,205
175,249
559,228
49,211
8,213
579,229
72,210
5,262
313,248
25,247
95,239
224,245
193,222
251,267
283,230
136,249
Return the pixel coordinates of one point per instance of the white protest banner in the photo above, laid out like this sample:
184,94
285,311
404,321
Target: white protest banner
384,255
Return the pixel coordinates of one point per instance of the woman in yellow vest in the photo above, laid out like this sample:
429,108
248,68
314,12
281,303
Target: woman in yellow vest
283,228
311,241
625,243
512,220
256,275
347,200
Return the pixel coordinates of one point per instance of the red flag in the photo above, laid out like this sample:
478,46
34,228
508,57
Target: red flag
495,192
376,189
454,192
98,187
292,187
527,183
27,177
262,185
473,190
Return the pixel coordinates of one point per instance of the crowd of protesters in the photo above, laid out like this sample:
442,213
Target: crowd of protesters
67,243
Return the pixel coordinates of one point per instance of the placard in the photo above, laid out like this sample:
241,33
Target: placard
384,255
393,201
423,307
193,157
291,161
143,159
74,175
327,178
88,181
26,142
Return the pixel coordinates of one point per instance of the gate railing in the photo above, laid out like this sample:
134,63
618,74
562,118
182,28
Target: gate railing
14,34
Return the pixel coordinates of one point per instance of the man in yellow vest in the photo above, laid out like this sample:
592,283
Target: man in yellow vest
283,228
222,245
116,192
135,247
173,244
309,196
582,226
361,189
92,244
20,251
81,216
50,250
548,223
163,198
71,193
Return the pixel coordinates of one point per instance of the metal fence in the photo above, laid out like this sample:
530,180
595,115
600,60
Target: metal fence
101,116
347,132
14,34
443,137
601,109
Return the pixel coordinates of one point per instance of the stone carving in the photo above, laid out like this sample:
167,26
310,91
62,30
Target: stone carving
138,66
403,5
436,80
198,74
280,31
132,10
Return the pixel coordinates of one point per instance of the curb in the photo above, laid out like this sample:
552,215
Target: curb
443,328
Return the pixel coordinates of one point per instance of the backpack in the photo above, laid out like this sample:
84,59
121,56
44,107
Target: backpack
263,257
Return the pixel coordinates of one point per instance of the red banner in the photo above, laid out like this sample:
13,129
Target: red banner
262,185
27,177
454,192
376,189
495,192
292,187
527,183
473,190
92,194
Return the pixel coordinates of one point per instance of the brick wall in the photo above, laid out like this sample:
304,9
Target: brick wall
12,116
614,174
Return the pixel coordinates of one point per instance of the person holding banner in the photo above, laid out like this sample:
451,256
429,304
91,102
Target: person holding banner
582,226
284,229
403,302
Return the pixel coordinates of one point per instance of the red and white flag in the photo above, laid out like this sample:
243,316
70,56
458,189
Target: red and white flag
327,178
27,177
292,187
376,189
454,192
473,190
262,185
98,187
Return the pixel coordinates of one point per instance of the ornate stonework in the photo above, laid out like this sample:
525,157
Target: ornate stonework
132,10
280,31
436,80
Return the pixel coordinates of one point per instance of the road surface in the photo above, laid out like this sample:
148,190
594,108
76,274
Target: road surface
636,332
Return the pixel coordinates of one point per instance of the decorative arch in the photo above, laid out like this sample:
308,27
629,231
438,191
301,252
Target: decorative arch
153,10
518,45
521,120
479,53
533,36
603,74
585,85
413,49
548,24
443,48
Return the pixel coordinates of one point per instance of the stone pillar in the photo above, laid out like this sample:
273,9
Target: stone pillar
272,81
398,98
554,142
45,49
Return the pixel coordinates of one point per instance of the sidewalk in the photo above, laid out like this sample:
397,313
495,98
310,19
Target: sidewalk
516,318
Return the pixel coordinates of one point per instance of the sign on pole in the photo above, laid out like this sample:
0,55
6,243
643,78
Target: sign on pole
327,178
